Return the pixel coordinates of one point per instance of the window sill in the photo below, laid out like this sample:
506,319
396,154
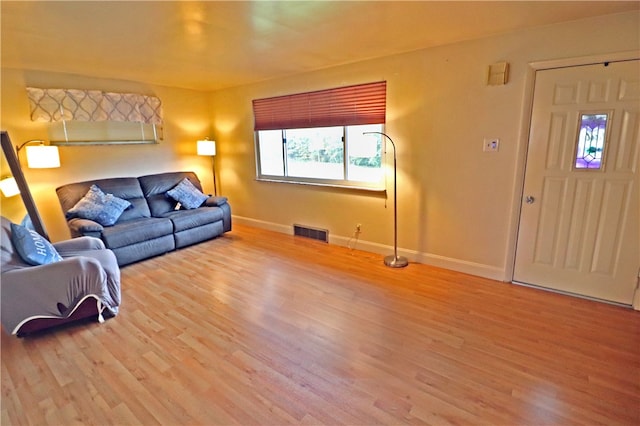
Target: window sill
369,189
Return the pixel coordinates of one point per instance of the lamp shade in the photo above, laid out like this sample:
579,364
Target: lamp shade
207,147
9,186
43,157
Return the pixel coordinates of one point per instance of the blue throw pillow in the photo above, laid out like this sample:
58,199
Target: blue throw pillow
103,208
186,194
27,222
32,247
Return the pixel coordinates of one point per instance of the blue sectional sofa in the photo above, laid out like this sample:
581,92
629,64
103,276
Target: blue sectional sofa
154,223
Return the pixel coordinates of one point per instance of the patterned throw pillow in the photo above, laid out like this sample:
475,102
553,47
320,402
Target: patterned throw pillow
32,247
186,194
99,207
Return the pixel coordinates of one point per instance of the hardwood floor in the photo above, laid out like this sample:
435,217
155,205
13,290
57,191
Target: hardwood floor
263,328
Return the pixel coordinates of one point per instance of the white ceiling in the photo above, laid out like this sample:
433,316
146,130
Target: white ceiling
209,45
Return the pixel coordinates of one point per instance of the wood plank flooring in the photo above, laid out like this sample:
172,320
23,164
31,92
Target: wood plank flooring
262,328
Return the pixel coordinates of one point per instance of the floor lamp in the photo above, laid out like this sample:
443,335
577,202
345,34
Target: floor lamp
42,157
207,147
393,261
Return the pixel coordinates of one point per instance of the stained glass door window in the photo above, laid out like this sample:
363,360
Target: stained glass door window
591,140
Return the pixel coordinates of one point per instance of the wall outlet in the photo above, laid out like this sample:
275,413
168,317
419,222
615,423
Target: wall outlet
491,144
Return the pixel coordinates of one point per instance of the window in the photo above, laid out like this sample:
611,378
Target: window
591,140
322,155
103,132
317,137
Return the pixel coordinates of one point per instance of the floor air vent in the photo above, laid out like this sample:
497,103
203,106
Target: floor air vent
313,233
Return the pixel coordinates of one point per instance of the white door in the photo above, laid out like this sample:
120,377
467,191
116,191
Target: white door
580,218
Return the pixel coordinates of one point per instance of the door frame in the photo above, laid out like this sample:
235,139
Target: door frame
523,144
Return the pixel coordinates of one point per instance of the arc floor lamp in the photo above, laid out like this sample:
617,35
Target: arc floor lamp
393,261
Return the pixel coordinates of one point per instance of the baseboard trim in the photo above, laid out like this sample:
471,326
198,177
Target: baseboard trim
472,268
458,265
262,224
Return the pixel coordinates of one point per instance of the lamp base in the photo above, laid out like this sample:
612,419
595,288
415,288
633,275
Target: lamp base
396,261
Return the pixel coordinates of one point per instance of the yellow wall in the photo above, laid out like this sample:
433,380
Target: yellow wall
11,207
186,119
455,203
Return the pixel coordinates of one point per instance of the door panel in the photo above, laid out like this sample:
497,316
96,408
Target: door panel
579,227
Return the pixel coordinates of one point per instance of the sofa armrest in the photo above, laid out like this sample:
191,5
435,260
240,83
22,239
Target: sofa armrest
215,201
84,227
78,244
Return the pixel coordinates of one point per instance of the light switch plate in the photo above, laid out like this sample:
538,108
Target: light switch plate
491,144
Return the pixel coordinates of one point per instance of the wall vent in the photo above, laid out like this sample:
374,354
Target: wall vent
313,233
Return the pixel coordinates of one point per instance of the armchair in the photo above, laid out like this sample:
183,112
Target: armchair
84,284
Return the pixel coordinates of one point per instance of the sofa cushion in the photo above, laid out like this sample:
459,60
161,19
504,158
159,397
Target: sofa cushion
125,188
154,188
32,247
187,195
196,235
144,249
135,231
187,219
99,207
